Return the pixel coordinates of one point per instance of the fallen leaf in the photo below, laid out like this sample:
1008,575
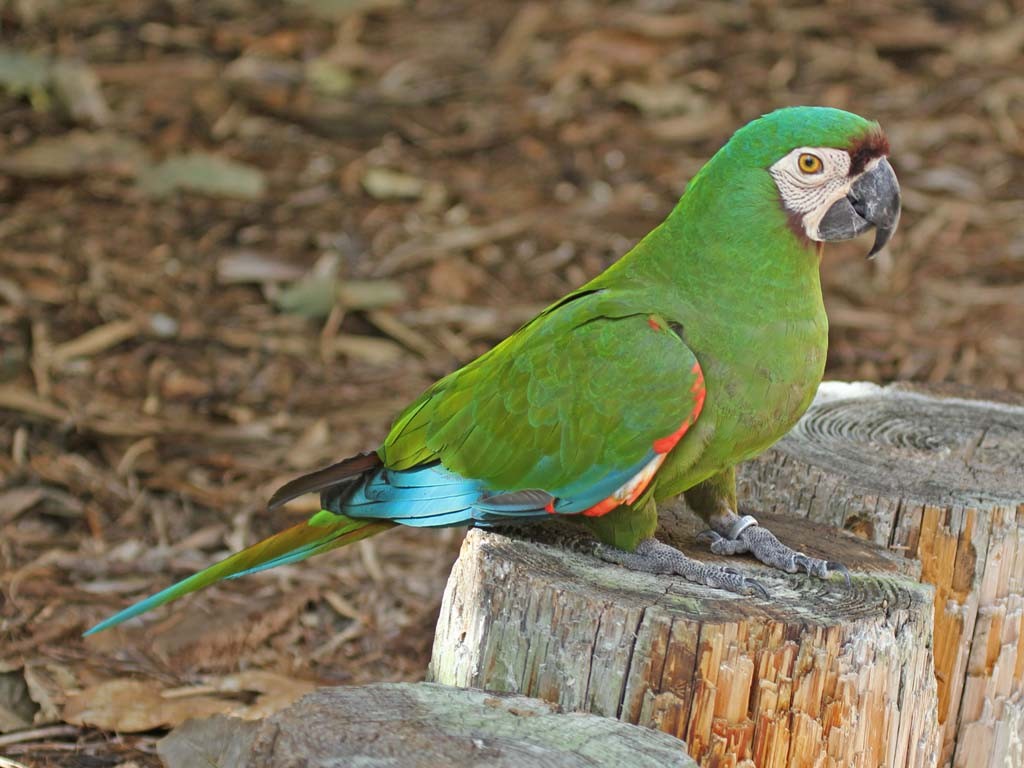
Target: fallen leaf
77,153
16,706
312,296
386,184
23,73
247,266
18,500
78,87
328,78
370,294
131,706
205,174
48,683
275,691
369,349
45,80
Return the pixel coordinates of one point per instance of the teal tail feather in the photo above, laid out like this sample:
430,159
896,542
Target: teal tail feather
322,532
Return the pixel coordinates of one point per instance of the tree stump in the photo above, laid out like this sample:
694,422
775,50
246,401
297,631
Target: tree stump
822,675
406,725
940,479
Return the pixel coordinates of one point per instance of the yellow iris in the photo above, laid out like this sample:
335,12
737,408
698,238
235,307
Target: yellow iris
809,163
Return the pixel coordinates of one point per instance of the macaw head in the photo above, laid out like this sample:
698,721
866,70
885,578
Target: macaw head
826,168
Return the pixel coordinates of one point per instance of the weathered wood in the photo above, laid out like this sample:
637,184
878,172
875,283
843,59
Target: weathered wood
822,675
940,479
406,725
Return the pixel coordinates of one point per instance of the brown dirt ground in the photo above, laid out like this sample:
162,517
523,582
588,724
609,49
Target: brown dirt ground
153,393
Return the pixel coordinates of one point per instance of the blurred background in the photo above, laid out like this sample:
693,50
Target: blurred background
237,236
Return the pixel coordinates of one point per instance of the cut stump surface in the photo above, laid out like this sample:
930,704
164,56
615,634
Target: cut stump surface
821,675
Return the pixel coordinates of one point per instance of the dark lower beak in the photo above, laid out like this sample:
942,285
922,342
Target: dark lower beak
873,201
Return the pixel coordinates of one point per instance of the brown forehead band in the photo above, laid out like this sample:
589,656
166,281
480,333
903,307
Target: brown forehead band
867,148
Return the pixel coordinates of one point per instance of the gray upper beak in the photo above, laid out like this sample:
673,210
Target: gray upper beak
873,201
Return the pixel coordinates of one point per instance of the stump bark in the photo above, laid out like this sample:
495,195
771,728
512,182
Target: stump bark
940,479
821,675
405,725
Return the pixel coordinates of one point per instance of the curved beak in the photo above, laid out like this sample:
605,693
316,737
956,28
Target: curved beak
873,201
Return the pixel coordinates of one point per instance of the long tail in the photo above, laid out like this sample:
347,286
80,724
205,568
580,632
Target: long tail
322,532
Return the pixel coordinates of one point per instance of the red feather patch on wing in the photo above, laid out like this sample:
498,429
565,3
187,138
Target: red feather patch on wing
630,490
699,390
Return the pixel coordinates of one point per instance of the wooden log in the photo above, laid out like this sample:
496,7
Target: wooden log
822,675
409,725
940,479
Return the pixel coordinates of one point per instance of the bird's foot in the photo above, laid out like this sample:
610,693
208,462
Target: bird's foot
651,556
744,535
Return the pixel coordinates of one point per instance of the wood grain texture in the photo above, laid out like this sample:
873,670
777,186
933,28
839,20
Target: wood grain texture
939,478
419,725
822,675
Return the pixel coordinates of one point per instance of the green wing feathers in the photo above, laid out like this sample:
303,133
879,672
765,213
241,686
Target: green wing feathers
579,392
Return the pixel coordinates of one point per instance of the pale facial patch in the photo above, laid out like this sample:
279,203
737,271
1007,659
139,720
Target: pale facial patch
810,195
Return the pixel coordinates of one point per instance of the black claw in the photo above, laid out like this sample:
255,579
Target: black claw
757,587
710,536
800,560
835,567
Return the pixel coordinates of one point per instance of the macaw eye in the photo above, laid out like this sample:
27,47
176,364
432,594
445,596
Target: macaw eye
809,163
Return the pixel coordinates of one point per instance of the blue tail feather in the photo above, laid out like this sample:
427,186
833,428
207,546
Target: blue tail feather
432,496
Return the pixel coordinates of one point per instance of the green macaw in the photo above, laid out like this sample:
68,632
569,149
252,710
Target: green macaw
697,350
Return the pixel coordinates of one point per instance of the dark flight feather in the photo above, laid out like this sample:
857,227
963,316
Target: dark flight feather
349,469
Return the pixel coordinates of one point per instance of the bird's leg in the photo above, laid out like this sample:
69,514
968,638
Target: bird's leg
730,534
628,539
651,556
